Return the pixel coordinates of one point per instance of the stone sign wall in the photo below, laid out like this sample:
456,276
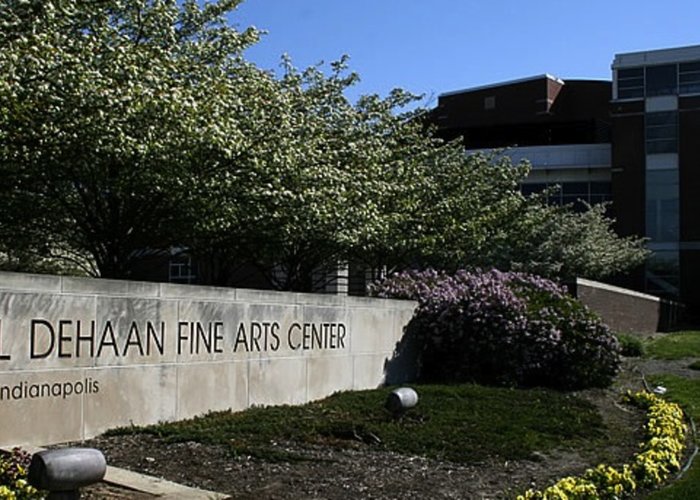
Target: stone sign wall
79,356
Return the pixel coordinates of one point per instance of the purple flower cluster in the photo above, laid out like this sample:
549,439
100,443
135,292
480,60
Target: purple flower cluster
505,328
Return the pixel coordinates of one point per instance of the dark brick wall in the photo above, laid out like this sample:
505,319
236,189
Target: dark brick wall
628,168
514,103
690,278
689,169
538,111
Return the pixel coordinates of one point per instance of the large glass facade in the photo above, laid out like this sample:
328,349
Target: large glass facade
663,79
574,193
661,131
689,78
662,220
662,273
630,83
660,83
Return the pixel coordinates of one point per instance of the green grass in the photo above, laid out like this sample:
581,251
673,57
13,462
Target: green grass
687,393
687,488
683,391
463,423
631,345
676,345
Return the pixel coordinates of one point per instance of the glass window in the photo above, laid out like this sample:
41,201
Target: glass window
555,195
576,188
661,146
661,119
630,83
531,188
689,66
576,193
662,273
662,177
689,78
600,192
661,80
601,188
661,132
662,219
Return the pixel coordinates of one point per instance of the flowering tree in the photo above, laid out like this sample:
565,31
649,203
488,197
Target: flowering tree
561,244
128,126
107,110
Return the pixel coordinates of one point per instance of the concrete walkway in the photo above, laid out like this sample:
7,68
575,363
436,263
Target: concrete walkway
158,487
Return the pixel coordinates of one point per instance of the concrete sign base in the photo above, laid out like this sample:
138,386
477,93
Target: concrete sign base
79,356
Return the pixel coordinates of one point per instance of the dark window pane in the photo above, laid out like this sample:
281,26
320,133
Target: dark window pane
689,82
662,146
668,220
662,132
689,88
689,66
661,118
630,93
661,177
577,188
665,132
652,221
689,77
630,83
664,264
661,80
669,132
571,198
554,197
630,73
580,206
536,187
600,188
662,205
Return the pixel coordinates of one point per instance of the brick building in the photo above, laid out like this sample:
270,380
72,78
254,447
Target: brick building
631,140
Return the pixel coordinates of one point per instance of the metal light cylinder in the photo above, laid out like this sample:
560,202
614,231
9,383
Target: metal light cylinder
67,469
401,399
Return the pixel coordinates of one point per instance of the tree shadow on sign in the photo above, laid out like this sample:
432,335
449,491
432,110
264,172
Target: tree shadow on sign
406,361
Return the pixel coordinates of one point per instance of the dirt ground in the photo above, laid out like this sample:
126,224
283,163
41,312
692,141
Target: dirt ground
367,473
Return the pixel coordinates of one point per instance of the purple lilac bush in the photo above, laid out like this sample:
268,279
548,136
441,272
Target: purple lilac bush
504,328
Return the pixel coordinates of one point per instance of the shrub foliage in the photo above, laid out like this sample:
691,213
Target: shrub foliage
505,328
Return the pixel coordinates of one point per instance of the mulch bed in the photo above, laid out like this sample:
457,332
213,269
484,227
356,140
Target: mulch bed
363,471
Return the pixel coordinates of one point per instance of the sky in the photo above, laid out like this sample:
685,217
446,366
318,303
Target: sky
434,46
